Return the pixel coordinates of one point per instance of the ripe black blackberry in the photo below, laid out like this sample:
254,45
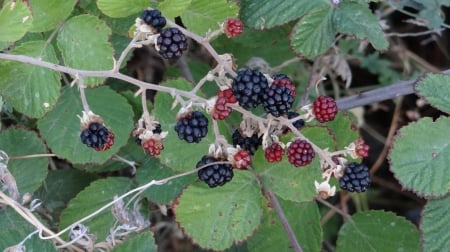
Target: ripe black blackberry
250,144
154,19
192,127
249,87
171,43
356,178
277,100
97,136
216,174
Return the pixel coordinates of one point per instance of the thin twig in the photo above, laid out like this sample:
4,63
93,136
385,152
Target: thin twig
32,156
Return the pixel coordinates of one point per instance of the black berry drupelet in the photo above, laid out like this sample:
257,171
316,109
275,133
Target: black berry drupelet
97,136
277,100
356,178
250,144
171,43
154,19
249,87
192,127
216,174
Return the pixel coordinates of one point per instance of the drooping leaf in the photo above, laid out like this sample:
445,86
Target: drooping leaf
93,197
215,218
173,8
119,8
28,172
304,219
49,13
314,33
61,127
178,154
84,44
420,156
204,15
15,20
31,90
356,19
435,89
434,228
378,231
267,13
141,243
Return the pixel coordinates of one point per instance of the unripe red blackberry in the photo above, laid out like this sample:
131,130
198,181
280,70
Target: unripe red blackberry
221,111
324,108
241,159
274,153
300,153
153,146
233,27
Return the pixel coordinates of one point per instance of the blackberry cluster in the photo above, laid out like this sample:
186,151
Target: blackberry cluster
171,43
277,100
300,153
214,175
249,87
250,144
154,19
192,127
356,178
97,136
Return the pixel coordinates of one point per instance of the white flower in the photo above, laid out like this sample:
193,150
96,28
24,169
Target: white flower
324,190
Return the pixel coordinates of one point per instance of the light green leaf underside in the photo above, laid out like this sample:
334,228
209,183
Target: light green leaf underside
435,229
15,20
120,8
435,89
49,14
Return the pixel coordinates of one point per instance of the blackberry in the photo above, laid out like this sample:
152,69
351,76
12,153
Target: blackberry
277,100
283,80
233,27
171,43
356,178
274,153
300,123
250,144
154,19
97,136
249,87
214,175
241,159
192,127
324,108
300,153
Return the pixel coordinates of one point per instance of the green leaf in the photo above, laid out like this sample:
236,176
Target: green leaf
97,194
61,127
378,231
343,129
434,226
83,41
434,89
314,33
268,13
178,154
49,13
29,172
357,19
120,8
31,90
205,15
15,20
216,218
15,228
420,156
150,170
141,243
173,8
304,219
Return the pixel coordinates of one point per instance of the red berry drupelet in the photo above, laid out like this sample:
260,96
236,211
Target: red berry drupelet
361,149
324,108
250,144
277,99
192,127
300,153
171,43
154,19
97,136
221,111
241,159
274,153
216,174
249,87
233,27
356,178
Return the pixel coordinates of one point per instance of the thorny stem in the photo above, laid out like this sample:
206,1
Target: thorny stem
131,45
81,87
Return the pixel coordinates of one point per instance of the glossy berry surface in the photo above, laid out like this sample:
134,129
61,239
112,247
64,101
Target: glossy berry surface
356,178
277,100
324,108
274,153
300,153
171,43
250,144
153,146
233,27
221,111
192,127
154,19
242,159
97,136
249,87
216,174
